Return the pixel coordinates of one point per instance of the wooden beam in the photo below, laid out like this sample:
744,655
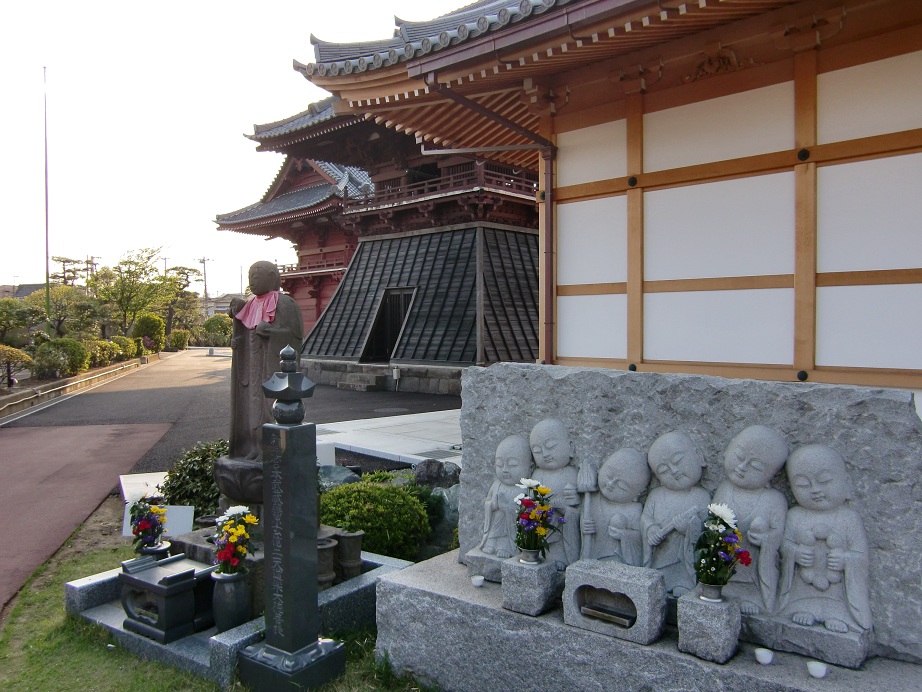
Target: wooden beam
805,252
635,230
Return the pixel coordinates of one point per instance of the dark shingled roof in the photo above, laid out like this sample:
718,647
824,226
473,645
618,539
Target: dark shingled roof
351,181
412,39
316,113
441,325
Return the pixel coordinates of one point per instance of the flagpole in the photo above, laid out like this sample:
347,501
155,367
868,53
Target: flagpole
47,246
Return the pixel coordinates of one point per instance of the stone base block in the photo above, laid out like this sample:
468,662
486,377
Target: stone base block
433,624
490,566
710,631
849,649
616,600
530,589
263,667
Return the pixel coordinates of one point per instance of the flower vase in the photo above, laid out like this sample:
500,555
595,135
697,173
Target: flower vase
159,550
230,602
712,593
530,557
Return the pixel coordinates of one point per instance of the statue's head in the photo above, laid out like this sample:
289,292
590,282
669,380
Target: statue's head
551,445
513,460
754,456
264,277
624,476
818,478
675,460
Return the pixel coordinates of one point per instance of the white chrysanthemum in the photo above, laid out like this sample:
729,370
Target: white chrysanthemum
232,511
724,513
527,483
519,498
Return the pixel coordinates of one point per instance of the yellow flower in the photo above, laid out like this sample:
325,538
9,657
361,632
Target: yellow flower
241,549
250,519
541,531
232,538
541,490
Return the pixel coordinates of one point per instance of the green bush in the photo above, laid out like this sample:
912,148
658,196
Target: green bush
102,352
139,346
63,357
179,339
219,324
191,480
154,328
14,358
127,347
394,521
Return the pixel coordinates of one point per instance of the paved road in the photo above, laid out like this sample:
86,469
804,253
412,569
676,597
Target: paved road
59,464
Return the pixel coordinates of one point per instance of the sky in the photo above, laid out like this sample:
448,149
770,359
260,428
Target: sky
147,105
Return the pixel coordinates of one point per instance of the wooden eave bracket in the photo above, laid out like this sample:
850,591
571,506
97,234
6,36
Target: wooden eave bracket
808,32
542,100
638,79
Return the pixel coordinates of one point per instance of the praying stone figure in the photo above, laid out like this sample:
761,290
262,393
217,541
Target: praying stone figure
513,463
263,326
555,458
751,460
824,576
673,513
611,523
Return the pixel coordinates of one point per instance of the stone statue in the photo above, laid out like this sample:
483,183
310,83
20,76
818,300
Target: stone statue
513,462
611,523
751,460
557,469
673,513
825,551
263,325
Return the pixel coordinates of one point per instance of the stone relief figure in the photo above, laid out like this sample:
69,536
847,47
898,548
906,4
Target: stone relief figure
673,513
513,462
825,551
263,325
751,460
611,523
557,469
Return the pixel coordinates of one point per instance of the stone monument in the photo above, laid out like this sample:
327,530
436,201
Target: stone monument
292,653
264,324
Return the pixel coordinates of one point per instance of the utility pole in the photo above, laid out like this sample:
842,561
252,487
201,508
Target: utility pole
203,260
164,265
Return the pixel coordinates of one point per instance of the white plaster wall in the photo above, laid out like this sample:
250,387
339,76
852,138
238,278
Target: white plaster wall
871,99
752,122
869,326
742,227
869,214
592,153
592,326
592,241
754,326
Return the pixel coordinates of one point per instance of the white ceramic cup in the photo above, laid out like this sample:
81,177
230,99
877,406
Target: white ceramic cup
817,669
477,580
764,656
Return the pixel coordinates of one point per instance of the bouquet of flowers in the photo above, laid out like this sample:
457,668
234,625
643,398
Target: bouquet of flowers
718,549
232,538
148,519
537,519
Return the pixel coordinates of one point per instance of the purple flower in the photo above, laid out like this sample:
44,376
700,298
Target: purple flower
724,556
731,539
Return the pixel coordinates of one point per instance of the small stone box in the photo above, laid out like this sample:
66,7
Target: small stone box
710,631
616,600
530,589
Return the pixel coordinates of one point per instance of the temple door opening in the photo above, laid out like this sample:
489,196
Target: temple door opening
385,332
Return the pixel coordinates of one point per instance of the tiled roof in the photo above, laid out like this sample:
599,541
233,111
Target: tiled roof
441,323
351,181
412,39
316,113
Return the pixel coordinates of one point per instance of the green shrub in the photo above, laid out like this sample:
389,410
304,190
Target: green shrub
154,328
179,339
219,324
63,357
393,520
102,352
378,477
139,346
127,347
191,480
14,358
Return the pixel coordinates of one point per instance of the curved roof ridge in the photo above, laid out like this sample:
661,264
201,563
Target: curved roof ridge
317,112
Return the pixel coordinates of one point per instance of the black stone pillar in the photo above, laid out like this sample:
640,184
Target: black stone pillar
292,654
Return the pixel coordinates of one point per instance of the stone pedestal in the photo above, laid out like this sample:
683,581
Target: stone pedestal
710,631
530,589
488,566
614,599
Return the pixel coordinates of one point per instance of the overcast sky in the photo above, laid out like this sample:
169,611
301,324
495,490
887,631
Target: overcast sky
147,107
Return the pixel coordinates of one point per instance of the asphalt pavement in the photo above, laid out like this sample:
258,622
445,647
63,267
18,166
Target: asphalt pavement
59,462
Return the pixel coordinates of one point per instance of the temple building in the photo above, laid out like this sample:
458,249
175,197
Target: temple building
725,187
404,259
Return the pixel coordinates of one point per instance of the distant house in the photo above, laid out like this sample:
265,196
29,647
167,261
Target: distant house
221,304
397,248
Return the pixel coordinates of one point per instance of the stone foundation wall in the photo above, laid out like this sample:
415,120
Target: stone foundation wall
878,432
427,379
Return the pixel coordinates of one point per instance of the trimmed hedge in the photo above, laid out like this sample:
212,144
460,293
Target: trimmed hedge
63,357
191,479
179,339
151,329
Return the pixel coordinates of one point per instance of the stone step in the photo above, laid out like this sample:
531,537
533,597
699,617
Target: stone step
363,382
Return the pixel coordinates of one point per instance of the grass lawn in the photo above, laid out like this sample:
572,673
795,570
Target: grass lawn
42,649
